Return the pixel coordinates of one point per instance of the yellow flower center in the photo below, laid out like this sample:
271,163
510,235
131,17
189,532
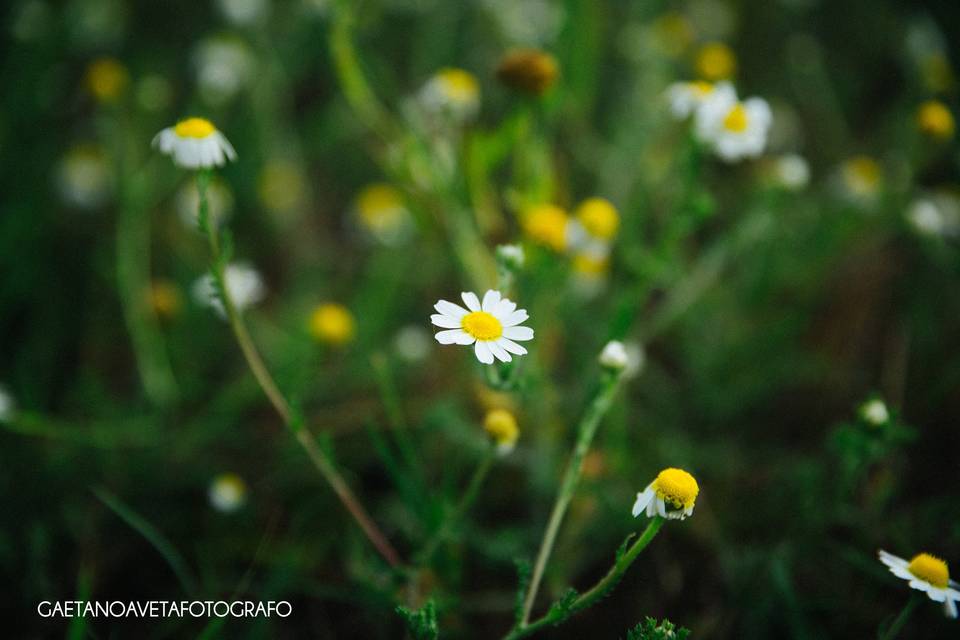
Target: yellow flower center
588,265
547,224
716,61
701,88
930,569
502,426
599,218
332,323
736,119
676,487
935,119
460,85
482,325
194,128
379,203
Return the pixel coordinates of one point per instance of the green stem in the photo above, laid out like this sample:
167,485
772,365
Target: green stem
588,428
894,629
319,458
556,615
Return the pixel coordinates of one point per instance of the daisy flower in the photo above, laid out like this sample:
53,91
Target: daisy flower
735,129
243,282
686,97
926,573
195,143
227,492
491,327
671,495
452,91
501,426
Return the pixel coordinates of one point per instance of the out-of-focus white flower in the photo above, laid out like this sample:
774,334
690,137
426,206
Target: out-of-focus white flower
8,407
614,356
936,214
227,492
381,211
492,327
412,343
735,129
452,92
926,573
526,22
875,412
244,12
224,65
219,201
862,178
195,143
243,282
590,267
511,255
671,495
83,177
686,97
791,171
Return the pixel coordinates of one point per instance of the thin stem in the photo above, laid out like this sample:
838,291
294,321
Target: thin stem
319,458
556,615
894,629
588,428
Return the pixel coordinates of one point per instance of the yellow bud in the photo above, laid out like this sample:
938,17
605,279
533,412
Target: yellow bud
547,224
935,120
501,425
332,323
528,70
716,61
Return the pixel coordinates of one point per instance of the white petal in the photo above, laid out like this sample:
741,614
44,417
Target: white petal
518,333
499,352
514,318
484,355
447,322
491,299
454,336
950,608
511,346
505,308
471,300
891,560
662,508
643,499
450,309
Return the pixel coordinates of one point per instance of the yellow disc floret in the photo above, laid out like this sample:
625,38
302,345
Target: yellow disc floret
194,128
715,61
547,224
677,488
935,120
930,569
459,85
736,119
501,425
332,323
482,325
599,217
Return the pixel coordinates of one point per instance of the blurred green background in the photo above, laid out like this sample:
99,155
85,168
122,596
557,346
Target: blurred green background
768,313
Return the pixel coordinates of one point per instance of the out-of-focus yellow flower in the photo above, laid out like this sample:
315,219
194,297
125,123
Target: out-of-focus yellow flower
715,61
528,70
585,264
107,79
599,218
381,210
547,224
935,120
501,426
332,323
165,298
281,186
862,176
672,33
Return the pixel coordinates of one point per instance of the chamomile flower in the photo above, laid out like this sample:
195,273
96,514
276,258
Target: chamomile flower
715,61
549,225
671,495
862,177
452,91
735,129
791,171
874,412
195,143
380,210
926,573
227,492
492,327
686,97
501,426
244,285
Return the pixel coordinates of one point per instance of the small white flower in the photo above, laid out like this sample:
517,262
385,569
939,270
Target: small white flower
926,573
412,343
614,356
511,255
227,492
792,171
243,282
735,129
224,65
7,405
244,12
686,97
452,91
491,327
195,143
875,412
671,495
83,177
925,217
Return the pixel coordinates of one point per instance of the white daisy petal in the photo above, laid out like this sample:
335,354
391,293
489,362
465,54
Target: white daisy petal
471,300
491,299
446,322
515,318
505,308
450,309
950,608
518,333
484,355
454,336
499,352
891,560
643,500
511,346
